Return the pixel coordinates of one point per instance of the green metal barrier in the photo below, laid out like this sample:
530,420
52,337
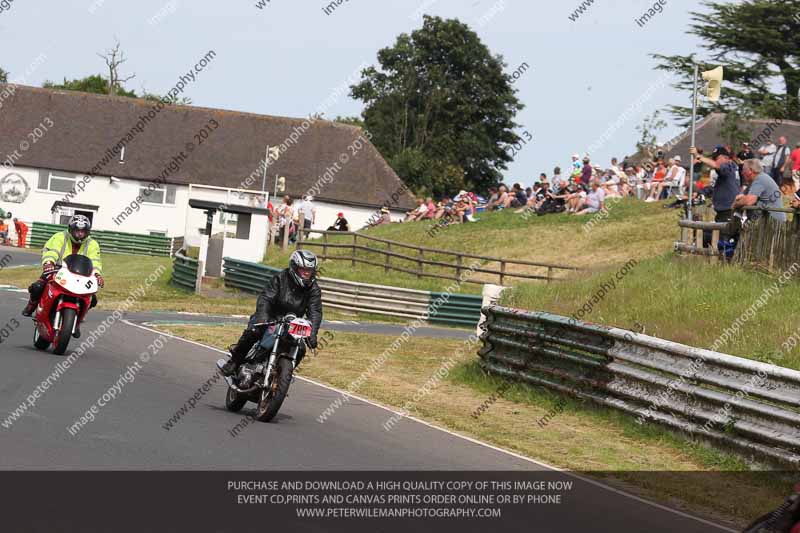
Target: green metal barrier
110,241
248,277
184,272
462,309
442,308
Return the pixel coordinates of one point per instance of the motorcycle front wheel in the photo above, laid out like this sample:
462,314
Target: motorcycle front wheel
273,396
64,334
40,342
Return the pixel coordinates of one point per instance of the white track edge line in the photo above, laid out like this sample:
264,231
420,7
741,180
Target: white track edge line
471,439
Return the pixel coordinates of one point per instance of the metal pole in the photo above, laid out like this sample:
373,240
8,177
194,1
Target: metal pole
266,164
692,157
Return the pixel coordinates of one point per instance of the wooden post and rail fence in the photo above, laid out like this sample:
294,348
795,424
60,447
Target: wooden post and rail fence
354,247
762,241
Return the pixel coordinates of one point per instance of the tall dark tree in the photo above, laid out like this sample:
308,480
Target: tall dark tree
758,43
440,108
3,76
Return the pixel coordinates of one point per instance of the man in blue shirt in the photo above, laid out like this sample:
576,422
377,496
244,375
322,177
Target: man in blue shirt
727,186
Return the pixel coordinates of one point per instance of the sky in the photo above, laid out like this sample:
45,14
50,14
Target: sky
588,83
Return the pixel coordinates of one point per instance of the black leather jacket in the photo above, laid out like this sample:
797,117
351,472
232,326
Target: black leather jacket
282,295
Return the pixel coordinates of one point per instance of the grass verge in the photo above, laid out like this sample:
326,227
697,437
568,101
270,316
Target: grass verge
580,438
684,300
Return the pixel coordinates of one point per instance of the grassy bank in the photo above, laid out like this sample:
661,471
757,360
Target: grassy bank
684,300
575,436
632,229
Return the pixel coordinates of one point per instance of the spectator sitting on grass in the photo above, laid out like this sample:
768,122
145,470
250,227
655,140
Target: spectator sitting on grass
385,218
502,199
340,224
3,233
518,198
761,191
576,193
431,212
418,213
558,182
595,200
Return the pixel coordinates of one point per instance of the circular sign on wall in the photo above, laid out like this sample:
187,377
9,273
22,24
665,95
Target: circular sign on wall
14,188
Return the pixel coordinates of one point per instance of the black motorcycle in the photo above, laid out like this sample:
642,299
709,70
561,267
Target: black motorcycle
784,519
266,373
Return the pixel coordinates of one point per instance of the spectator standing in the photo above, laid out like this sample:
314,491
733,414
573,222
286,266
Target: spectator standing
795,158
767,155
577,166
22,232
761,191
744,154
586,171
781,160
726,186
309,211
3,233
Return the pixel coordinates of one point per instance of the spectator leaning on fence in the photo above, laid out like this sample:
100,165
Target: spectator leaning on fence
761,191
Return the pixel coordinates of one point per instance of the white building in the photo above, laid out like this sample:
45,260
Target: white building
133,165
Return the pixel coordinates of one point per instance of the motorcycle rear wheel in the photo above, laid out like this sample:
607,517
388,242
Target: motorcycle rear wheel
272,398
234,401
64,334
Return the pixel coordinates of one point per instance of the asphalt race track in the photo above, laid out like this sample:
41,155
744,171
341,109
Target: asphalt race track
128,432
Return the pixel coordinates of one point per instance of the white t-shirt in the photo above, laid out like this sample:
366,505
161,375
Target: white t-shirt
769,157
595,198
307,208
422,209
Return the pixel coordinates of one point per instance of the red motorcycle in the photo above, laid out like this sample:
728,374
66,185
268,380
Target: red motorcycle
784,519
66,299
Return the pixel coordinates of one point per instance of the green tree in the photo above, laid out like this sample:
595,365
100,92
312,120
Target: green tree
440,108
758,44
3,76
96,84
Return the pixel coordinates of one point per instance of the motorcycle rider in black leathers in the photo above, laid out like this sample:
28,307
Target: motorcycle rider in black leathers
293,290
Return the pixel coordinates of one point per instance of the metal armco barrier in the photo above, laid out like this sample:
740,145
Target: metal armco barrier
110,241
184,272
747,406
455,309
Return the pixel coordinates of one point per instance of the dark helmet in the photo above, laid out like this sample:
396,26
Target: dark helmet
303,268
79,228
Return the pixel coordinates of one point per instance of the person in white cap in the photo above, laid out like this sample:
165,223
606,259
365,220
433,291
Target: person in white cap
577,166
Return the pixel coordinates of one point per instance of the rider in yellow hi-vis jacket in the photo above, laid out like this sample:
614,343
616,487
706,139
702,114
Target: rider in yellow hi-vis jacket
75,240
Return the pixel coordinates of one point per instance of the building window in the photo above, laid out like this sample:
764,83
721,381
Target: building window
158,233
243,227
161,195
49,181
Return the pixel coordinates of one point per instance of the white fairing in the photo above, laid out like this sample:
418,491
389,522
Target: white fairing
79,285
303,323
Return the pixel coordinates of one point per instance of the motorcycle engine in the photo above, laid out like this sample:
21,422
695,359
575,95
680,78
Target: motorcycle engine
246,373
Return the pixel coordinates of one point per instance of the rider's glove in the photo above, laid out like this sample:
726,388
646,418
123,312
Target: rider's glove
100,281
312,342
48,269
